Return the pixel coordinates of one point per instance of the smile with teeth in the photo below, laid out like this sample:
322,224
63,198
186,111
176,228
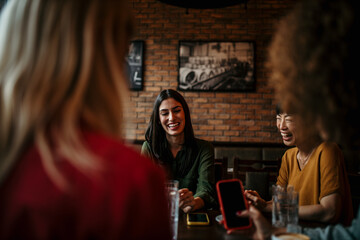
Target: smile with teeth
286,136
173,125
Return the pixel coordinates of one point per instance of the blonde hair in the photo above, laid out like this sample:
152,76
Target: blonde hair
61,68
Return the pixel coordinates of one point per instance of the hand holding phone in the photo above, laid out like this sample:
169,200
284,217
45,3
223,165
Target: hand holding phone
232,199
197,219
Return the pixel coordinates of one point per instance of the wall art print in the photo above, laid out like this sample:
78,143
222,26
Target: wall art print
216,66
134,63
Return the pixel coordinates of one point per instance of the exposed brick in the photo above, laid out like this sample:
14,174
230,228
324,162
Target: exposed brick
206,127
216,116
215,122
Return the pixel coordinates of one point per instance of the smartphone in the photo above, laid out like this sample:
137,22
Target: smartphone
197,219
232,199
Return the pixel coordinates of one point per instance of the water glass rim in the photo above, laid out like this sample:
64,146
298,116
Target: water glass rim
172,184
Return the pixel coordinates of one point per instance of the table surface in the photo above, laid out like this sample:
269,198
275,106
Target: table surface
212,231
216,231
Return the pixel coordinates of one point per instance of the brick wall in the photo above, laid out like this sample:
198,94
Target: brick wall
216,116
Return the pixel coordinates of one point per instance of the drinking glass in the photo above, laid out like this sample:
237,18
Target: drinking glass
285,208
172,190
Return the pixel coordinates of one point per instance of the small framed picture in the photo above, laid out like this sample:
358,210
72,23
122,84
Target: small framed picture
216,66
134,62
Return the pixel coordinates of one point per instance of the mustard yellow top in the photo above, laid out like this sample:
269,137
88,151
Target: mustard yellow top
323,175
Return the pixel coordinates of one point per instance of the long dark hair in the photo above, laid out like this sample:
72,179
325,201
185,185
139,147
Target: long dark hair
156,137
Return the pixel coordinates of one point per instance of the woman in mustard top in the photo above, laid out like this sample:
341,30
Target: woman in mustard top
316,170
315,74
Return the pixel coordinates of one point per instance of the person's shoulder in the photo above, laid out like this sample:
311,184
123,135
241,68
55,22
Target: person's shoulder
289,156
203,143
104,142
331,145
291,151
114,151
123,163
145,144
331,153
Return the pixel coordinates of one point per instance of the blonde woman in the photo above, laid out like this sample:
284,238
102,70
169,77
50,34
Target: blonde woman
64,172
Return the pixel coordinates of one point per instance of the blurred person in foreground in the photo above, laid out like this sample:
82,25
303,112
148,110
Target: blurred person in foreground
64,170
316,170
314,61
171,143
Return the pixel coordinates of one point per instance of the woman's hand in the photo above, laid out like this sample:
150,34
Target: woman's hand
254,199
263,228
187,201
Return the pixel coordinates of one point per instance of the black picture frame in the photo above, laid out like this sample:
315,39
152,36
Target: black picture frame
134,62
216,66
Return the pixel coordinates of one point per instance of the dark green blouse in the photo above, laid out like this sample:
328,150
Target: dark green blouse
200,178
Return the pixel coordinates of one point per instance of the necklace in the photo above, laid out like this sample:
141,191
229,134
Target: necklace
303,161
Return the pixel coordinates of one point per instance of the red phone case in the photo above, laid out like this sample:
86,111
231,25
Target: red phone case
222,205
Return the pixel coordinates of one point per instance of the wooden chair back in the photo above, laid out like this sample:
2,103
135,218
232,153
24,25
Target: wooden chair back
257,175
221,168
241,166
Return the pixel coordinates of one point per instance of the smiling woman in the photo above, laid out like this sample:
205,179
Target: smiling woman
172,118
171,143
316,169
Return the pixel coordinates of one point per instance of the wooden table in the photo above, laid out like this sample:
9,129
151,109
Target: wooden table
216,231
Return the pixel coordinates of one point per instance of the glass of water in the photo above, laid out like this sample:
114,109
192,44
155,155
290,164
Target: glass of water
172,191
285,208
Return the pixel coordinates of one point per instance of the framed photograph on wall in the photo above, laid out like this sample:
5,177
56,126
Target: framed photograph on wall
134,62
216,66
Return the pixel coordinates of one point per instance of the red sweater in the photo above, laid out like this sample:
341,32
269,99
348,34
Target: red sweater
126,201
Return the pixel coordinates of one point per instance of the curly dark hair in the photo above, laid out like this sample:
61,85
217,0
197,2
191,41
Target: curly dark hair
313,60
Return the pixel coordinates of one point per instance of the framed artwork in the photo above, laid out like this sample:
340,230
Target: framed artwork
134,62
216,66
